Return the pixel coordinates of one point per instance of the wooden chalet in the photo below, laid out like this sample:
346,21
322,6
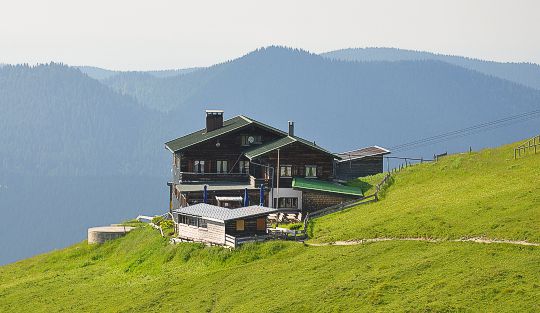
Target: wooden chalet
359,163
222,226
235,157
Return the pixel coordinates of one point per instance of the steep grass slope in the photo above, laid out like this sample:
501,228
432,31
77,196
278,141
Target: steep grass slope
143,273
485,193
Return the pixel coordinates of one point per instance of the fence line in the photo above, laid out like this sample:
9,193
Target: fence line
531,144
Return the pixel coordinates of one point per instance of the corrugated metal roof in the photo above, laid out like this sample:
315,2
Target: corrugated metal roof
320,185
362,153
278,143
217,213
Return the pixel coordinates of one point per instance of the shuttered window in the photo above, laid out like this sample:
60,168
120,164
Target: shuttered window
261,224
240,225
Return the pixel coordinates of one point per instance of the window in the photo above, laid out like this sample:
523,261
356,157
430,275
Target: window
311,171
261,224
285,171
203,223
188,220
198,167
245,140
287,203
251,139
240,225
222,167
192,221
243,167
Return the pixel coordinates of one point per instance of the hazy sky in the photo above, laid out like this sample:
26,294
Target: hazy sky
157,34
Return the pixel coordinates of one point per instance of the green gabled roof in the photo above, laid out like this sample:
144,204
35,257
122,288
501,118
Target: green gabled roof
229,125
320,185
278,143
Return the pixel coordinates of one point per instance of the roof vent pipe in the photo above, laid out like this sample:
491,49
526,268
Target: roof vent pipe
291,128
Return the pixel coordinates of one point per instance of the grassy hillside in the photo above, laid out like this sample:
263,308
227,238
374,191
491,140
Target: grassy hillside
143,273
485,193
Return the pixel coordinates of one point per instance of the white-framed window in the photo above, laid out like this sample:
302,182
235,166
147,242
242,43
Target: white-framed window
286,203
243,167
311,171
285,171
222,166
198,166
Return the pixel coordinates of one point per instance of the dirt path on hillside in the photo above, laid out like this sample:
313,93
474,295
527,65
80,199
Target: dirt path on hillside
474,239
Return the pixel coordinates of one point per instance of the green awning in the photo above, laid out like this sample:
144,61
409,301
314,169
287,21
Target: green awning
320,185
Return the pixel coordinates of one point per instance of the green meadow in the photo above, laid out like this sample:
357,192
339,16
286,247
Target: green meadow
485,194
479,194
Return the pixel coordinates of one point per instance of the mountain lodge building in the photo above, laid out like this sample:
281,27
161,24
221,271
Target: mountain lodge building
228,162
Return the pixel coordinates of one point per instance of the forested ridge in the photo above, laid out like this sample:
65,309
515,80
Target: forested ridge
57,120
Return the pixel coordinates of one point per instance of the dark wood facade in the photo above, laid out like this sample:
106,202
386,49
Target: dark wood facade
251,226
298,156
228,147
360,167
240,153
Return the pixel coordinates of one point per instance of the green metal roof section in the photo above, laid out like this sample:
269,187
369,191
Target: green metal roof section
278,143
267,147
320,185
236,123
229,125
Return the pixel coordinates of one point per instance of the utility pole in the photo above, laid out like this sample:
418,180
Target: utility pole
277,187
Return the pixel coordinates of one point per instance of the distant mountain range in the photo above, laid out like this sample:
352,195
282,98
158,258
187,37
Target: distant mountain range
527,74
101,73
57,120
83,146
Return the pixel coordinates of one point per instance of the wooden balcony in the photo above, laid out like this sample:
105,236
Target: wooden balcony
204,177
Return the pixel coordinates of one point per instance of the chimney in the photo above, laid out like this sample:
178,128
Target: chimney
214,120
291,128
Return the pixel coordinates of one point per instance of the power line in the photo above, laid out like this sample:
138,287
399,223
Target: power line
468,131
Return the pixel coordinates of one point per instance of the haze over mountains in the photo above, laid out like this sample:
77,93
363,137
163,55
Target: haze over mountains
527,74
385,103
62,124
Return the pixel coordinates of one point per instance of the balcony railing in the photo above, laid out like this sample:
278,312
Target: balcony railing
202,177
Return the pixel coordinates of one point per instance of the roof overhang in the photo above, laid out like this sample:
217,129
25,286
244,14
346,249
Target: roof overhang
347,156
